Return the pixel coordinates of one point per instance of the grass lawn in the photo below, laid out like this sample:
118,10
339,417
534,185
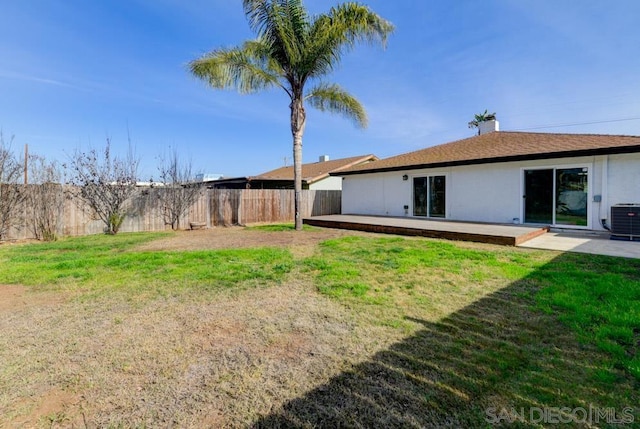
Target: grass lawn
367,331
104,264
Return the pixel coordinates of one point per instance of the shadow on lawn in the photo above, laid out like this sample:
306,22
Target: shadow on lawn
495,355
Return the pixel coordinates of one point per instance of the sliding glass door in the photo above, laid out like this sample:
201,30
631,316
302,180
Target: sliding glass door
556,196
538,196
429,196
571,196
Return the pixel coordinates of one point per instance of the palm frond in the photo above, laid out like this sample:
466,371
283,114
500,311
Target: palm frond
257,13
323,49
332,98
340,30
263,54
358,23
283,25
246,69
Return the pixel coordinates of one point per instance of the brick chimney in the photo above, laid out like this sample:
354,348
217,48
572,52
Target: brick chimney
488,126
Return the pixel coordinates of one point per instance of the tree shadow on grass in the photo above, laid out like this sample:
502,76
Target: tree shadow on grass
498,360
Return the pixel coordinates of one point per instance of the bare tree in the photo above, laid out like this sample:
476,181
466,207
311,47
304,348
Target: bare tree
11,195
45,197
179,192
105,183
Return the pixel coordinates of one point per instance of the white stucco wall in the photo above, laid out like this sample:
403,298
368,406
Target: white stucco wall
624,179
492,192
374,194
327,184
484,194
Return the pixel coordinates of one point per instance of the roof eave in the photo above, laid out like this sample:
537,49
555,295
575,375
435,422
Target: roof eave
275,179
317,178
334,172
495,160
230,180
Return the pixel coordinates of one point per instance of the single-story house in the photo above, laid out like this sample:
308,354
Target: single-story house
315,176
560,180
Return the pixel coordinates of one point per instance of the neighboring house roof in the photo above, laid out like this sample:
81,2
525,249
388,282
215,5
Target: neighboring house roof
503,146
316,171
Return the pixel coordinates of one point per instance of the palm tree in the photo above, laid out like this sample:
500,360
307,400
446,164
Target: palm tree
292,49
482,117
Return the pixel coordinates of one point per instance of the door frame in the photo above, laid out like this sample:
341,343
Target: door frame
555,167
446,194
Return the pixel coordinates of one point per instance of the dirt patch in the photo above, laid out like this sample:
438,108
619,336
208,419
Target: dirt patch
12,296
302,242
54,408
15,297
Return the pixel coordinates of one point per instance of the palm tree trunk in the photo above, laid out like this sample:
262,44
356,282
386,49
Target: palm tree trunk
298,120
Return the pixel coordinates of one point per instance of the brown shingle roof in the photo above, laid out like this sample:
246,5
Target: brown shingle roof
502,146
315,171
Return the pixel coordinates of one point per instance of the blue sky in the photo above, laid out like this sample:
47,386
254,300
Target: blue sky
73,72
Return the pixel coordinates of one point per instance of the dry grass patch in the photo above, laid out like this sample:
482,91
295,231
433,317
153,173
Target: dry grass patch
190,361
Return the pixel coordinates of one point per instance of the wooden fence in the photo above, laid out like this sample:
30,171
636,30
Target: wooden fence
214,207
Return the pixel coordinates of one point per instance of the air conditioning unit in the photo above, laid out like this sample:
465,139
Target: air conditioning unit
625,221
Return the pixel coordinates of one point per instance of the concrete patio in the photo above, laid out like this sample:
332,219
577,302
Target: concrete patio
597,243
